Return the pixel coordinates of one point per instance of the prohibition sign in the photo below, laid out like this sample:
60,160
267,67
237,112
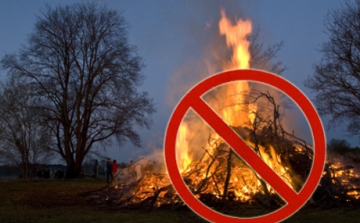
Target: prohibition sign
294,200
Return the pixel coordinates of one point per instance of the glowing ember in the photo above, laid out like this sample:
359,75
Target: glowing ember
344,177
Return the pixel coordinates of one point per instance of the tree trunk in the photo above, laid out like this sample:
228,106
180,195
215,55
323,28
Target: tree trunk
73,171
74,166
25,169
25,163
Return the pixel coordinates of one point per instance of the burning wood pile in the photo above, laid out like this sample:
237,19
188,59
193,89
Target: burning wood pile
340,184
219,178
222,180
213,172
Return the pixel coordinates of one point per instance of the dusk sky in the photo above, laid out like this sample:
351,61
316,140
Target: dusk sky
171,35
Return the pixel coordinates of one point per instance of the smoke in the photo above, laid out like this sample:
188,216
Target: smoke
205,50
157,160
205,53
208,54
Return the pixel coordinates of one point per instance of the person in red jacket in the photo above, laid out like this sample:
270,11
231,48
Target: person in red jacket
114,167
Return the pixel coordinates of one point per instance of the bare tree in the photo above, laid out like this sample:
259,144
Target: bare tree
264,57
24,139
86,76
336,80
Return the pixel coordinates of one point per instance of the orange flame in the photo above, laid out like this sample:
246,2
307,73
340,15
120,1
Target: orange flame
182,147
235,110
236,38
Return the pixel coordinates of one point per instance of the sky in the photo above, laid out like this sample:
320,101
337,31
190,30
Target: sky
172,36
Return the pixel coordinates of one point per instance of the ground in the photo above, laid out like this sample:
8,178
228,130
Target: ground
60,201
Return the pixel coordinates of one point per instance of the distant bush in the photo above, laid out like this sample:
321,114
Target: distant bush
339,145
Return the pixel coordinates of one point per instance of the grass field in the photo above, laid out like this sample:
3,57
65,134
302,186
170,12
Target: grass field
55,201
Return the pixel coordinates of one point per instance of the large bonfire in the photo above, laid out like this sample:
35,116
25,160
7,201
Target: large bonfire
212,171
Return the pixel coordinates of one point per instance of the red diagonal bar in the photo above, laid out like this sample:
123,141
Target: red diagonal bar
243,150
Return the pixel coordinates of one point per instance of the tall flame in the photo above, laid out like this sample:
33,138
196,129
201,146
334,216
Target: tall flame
234,111
236,34
236,38
182,147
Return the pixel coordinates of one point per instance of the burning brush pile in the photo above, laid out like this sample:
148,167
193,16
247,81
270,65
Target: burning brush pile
340,183
222,180
219,178
213,172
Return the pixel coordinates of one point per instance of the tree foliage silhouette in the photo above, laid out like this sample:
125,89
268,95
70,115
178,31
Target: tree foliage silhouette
85,74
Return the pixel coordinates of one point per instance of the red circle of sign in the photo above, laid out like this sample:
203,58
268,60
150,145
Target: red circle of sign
192,97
